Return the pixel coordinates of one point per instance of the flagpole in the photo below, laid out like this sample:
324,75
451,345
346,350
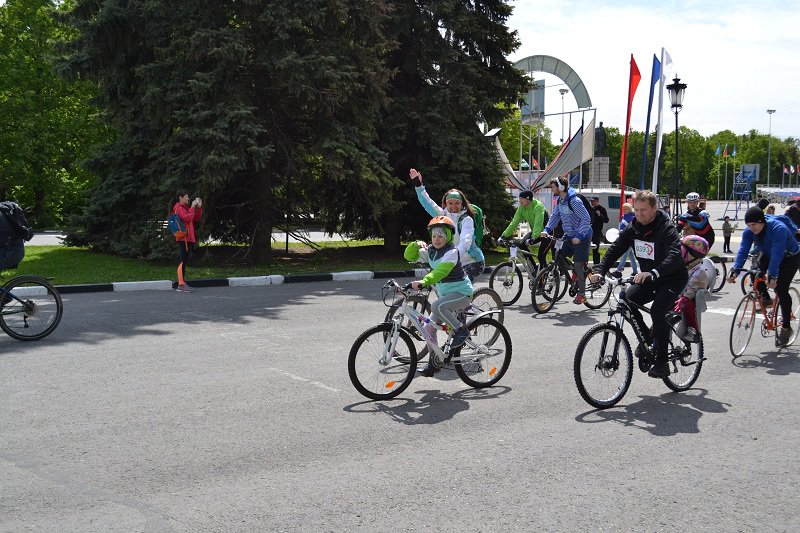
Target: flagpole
719,164
726,176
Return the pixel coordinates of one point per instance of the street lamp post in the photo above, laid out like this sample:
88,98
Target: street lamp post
676,90
769,142
562,92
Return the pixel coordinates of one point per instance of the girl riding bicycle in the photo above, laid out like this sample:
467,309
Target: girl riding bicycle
452,284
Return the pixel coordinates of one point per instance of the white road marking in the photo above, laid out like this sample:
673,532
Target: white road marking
304,380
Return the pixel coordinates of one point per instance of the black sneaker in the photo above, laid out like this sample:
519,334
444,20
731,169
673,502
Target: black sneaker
659,370
782,339
766,301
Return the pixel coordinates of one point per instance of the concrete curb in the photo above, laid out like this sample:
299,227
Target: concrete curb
253,281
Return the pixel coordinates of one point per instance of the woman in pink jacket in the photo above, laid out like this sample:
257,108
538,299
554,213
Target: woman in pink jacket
189,214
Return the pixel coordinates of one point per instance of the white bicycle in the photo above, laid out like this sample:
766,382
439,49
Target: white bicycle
383,360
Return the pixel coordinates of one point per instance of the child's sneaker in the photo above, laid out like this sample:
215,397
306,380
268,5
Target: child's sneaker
184,288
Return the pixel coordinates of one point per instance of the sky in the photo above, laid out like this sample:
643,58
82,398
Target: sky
738,59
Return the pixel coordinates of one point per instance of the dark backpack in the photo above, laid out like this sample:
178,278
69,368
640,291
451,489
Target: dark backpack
20,229
587,205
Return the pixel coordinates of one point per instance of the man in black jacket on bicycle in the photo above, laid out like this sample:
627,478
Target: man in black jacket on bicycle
663,273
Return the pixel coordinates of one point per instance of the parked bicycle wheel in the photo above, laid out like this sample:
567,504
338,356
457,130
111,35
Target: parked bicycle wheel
597,294
31,308
795,325
377,372
743,324
603,366
545,289
722,274
484,358
506,280
685,359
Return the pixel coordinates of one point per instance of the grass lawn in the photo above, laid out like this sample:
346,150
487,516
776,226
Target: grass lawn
71,266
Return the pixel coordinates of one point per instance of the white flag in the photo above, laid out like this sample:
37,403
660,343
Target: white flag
666,63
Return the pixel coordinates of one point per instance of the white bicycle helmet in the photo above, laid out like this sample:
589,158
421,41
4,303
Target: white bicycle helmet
692,197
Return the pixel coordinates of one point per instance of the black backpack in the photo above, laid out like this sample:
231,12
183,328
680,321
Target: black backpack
20,229
587,205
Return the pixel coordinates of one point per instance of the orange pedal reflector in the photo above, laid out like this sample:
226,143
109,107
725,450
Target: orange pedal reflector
390,384
492,371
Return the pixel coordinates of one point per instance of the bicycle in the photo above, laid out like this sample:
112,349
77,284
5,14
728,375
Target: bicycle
506,277
744,318
30,308
603,366
383,359
483,299
547,287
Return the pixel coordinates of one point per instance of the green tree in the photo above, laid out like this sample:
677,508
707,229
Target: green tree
49,125
450,72
263,110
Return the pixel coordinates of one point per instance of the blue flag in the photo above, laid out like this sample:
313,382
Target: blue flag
733,154
655,77
718,149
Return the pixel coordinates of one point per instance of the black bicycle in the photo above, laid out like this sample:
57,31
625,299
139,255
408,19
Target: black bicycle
603,365
506,278
554,280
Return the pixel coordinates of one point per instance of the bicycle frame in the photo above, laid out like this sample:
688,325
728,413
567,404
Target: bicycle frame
771,317
417,320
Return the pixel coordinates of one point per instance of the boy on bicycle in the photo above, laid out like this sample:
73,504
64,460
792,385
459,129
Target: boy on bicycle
447,275
780,259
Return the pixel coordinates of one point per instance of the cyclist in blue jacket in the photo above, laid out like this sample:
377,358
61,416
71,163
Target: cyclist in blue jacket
780,259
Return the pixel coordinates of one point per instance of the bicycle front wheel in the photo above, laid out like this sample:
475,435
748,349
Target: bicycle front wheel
685,359
744,321
30,308
506,280
545,289
379,370
795,320
484,358
722,274
603,366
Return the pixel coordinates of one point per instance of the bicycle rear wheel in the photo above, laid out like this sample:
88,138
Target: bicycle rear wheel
747,283
603,366
506,280
795,322
484,358
685,359
743,324
486,299
545,289
31,308
374,371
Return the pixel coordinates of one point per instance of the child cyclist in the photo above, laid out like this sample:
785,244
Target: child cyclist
447,274
693,249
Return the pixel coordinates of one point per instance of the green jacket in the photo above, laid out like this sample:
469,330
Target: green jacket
533,214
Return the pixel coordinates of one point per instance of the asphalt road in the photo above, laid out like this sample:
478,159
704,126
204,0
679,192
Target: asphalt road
230,409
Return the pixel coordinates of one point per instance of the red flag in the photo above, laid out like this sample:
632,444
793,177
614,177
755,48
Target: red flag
535,163
725,152
633,83
785,170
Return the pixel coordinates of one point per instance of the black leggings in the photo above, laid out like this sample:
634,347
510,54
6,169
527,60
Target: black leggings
544,246
663,294
184,252
786,273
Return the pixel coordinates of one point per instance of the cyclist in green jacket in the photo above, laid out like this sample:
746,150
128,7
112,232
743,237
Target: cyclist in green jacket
531,211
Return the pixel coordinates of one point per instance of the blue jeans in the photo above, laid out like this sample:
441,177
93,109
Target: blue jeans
629,255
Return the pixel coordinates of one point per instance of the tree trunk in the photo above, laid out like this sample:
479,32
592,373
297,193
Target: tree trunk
392,223
38,207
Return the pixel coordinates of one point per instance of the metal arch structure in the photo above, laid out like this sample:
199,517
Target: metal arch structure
556,67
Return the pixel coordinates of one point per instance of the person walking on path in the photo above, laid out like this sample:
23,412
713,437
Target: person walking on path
189,215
